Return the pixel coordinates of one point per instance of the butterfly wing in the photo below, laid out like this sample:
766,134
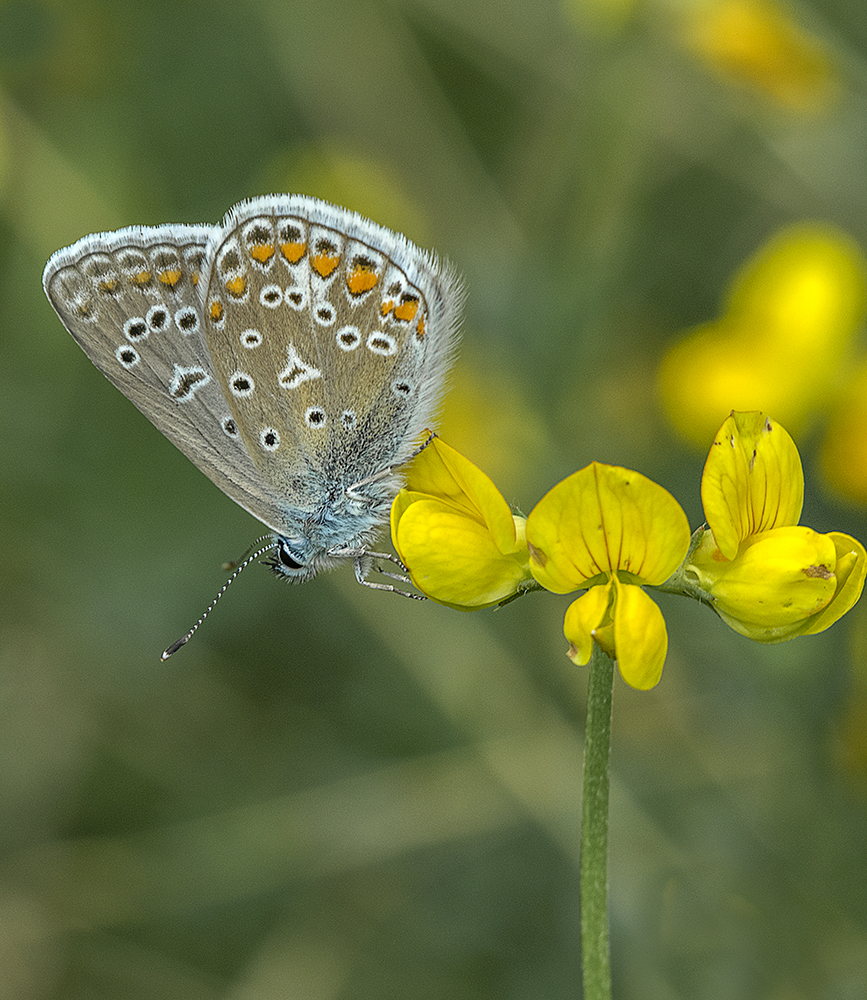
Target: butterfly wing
131,300
331,337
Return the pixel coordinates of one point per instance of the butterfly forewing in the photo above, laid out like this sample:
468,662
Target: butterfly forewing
330,354
131,299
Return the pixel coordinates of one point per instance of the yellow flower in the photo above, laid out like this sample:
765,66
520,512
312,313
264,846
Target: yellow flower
754,43
790,321
767,577
610,530
843,453
455,533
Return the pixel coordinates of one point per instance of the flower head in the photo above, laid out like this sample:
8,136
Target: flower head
768,577
455,533
791,317
610,530
756,44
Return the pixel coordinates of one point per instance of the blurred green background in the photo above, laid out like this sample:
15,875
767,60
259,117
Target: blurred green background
333,794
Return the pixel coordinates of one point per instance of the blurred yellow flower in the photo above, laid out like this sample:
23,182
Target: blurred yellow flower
767,577
455,533
755,43
843,454
610,530
487,410
789,324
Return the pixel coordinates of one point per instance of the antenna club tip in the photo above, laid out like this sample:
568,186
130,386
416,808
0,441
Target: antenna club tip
175,646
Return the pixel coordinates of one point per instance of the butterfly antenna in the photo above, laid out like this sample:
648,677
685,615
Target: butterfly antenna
175,646
235,563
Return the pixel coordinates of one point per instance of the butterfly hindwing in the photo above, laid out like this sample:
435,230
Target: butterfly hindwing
131,300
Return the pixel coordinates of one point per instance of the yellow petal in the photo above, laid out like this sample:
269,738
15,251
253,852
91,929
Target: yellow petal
849,572
585,616
444,473
401,503
640,637
605,519
452,558
752,480
779,579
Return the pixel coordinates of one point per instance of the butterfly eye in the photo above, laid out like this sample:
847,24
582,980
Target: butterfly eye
284,554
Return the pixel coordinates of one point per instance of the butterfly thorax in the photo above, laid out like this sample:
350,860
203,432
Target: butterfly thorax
336,530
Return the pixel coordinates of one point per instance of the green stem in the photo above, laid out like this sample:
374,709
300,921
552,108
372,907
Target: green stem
595,951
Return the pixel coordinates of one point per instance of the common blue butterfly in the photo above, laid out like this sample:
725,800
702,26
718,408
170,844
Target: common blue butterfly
296,353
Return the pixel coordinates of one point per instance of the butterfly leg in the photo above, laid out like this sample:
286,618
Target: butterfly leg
366,561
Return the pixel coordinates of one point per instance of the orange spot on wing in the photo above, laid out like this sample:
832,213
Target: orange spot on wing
236,286
386,307
141,278
171,276
407,309
361,280
216,310
293,252
419,330
262,252
324,264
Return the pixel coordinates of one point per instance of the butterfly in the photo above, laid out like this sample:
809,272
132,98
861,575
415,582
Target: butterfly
296,352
